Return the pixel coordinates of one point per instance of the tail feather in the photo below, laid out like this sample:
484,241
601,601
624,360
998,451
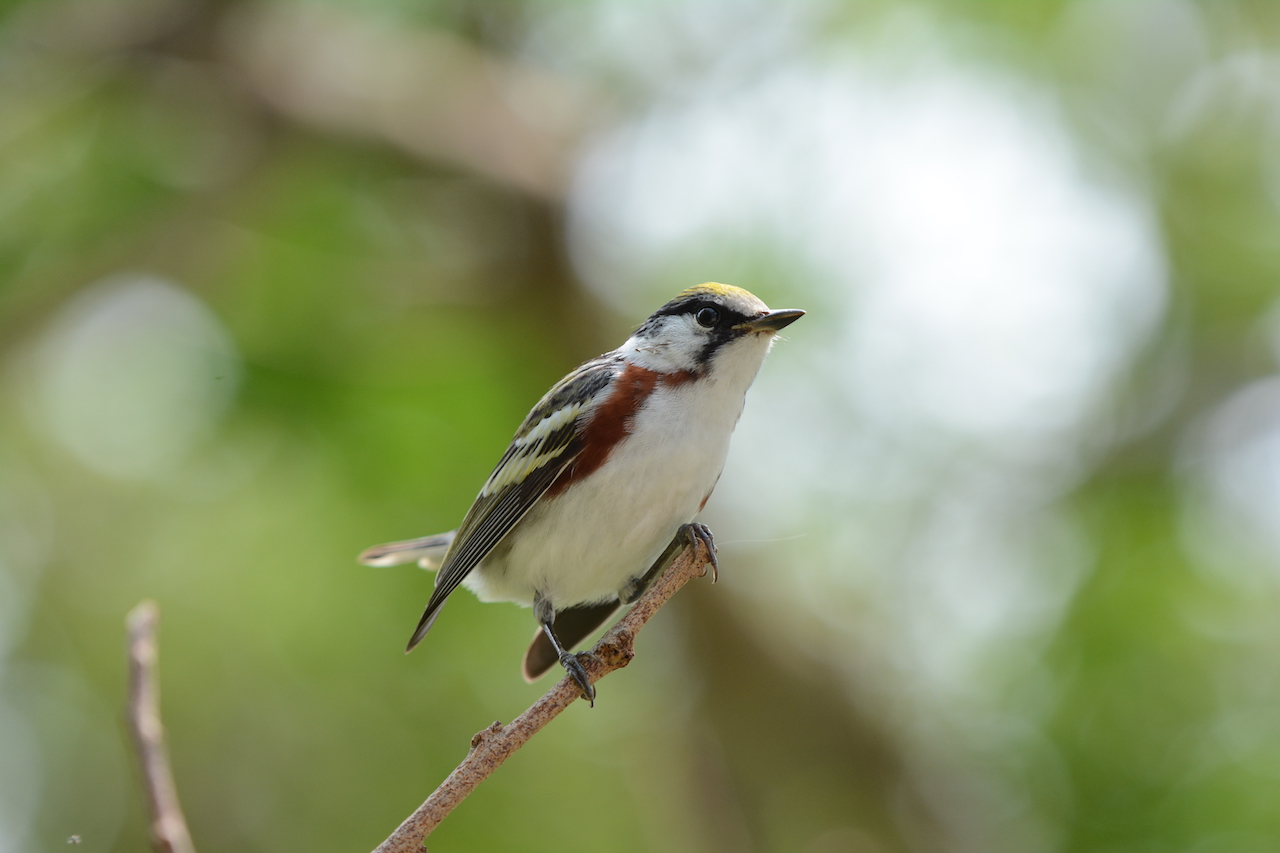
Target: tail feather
426,551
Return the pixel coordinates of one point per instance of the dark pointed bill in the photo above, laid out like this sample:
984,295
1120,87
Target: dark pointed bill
773,321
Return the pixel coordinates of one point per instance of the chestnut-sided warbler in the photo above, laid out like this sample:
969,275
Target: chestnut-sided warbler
600,486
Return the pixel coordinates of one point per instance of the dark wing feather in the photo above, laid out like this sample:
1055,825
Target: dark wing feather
546,444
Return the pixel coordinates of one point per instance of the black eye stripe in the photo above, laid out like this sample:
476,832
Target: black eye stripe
726,317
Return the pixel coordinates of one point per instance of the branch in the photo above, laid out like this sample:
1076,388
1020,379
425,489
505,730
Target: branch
169,832
494,745
423,90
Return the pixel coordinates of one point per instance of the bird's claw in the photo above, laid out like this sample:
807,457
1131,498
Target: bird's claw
697,532
574,667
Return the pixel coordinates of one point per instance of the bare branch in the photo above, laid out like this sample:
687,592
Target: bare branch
494,745
169,832
422,90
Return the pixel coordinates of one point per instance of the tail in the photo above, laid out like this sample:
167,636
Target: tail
426,551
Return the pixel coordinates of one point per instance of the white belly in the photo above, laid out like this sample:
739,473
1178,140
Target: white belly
584,545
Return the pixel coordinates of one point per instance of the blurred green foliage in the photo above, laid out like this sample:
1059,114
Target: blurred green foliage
396,289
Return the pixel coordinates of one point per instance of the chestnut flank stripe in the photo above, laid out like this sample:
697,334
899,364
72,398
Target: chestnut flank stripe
610,423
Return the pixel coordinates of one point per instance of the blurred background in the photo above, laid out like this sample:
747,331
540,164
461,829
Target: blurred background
1000,530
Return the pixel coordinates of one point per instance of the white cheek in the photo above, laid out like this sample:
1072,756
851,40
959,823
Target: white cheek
673,349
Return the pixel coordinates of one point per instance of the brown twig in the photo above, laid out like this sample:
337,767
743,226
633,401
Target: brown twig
169,832
494,745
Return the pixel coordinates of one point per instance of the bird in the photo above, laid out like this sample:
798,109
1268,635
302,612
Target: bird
601,484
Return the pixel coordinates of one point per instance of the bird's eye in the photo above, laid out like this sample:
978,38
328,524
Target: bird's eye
707,317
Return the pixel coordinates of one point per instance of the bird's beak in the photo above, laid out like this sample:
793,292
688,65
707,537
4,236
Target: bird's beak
773,321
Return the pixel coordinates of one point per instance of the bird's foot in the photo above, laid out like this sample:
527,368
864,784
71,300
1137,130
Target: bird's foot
574,667
696,532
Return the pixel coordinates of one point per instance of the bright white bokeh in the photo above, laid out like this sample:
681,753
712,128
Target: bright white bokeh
1233,503
976,292
132,376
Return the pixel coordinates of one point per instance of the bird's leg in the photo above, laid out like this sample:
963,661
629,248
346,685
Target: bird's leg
545,613
688,534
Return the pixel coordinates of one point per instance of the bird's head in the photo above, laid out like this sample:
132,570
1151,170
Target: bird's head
707,328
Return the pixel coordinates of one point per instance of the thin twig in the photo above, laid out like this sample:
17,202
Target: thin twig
494,745
169,832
